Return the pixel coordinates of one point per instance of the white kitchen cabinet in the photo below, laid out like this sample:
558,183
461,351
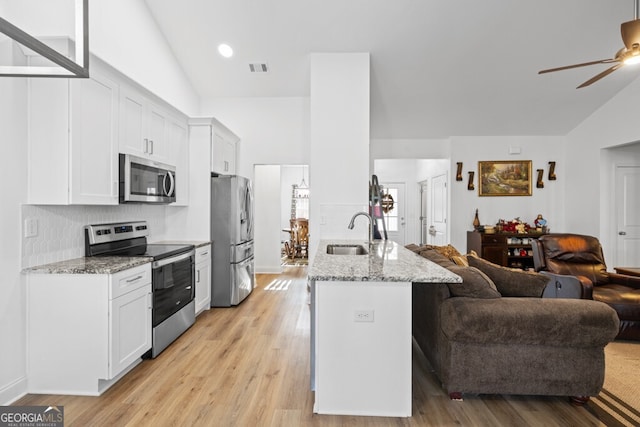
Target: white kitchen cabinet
203,278
179,156
144,126
223,145
85,331
223,154
73,140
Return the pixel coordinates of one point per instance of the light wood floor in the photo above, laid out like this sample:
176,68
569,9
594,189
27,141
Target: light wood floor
249,366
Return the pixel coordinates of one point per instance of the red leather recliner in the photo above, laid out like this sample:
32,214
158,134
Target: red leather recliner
582,256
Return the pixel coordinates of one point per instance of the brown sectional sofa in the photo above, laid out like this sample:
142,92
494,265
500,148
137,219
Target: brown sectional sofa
484,342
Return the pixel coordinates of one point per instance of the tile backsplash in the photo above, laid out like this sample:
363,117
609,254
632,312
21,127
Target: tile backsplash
60,229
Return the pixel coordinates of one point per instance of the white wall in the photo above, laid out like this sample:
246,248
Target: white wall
614,124
339,161
13,149
267,219
272,131
548,201
122,33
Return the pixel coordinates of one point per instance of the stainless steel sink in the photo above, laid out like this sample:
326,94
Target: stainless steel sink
346,250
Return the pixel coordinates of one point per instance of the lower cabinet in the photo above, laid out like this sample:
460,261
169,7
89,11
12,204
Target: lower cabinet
203,278
85,331
361,348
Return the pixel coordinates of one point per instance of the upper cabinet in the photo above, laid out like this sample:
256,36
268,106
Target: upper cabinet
144,126
178,134
223,144
77,128
223,149
157,132
73,140
223,154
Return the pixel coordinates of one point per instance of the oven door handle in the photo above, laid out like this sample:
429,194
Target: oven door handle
163,262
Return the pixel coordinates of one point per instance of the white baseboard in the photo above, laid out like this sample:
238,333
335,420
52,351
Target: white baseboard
268,269
13,391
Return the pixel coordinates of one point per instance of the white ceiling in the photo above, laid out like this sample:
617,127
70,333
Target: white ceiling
439,68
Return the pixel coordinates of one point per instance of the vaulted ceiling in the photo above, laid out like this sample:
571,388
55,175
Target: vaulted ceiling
439,68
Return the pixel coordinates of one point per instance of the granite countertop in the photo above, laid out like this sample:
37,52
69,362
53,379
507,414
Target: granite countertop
89,265
386,262
196,243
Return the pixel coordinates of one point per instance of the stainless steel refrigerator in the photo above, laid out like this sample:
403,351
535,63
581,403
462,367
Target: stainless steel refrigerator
232,222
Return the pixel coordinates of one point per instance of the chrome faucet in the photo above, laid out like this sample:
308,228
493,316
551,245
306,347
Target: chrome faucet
351,225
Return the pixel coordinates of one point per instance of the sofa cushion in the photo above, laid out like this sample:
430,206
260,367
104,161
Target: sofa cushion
511,282
529,321
437,257
475,284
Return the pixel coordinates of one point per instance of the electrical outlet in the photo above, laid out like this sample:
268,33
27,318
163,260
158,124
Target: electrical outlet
30,227
363,316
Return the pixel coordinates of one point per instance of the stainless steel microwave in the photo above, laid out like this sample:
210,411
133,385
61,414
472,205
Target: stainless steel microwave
146,181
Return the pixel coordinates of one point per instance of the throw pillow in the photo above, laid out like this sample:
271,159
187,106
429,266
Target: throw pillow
437,257
511,282
475,284
460,260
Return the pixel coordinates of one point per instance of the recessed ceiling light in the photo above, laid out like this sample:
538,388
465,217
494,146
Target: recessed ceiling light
225,50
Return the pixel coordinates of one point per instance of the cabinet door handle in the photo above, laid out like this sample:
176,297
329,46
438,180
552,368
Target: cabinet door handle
134,279
146,145
198,276
151,141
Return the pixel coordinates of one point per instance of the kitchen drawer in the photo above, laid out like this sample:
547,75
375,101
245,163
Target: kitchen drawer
203,253
494,238
129,280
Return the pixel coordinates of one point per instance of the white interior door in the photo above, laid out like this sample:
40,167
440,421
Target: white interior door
424,216
438,227
395,215
628,216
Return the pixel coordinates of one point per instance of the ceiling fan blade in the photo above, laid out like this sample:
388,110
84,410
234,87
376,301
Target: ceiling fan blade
584,64
630,33
601,75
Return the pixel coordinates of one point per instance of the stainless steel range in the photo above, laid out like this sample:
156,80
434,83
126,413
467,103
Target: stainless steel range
173,275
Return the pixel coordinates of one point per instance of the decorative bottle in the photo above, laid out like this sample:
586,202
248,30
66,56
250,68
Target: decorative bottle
476,221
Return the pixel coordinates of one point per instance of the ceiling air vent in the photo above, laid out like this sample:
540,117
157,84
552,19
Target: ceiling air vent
258,67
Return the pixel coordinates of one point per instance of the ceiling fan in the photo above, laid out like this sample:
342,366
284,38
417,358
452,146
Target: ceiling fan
628,55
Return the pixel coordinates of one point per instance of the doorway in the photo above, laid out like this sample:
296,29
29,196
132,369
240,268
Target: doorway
394,211
627,185
274,204
438,217
417,204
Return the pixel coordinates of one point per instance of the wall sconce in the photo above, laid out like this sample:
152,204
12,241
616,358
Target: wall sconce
539,183
552,171
459,171
470,185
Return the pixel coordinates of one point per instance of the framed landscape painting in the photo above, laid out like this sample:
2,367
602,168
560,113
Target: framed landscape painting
504,178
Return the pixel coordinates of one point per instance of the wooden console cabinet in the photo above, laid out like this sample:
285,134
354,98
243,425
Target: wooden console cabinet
506,249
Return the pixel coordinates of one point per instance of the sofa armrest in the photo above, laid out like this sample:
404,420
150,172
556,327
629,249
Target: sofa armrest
623,279
566,286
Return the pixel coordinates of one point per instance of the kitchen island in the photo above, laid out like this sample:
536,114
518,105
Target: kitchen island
361,338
